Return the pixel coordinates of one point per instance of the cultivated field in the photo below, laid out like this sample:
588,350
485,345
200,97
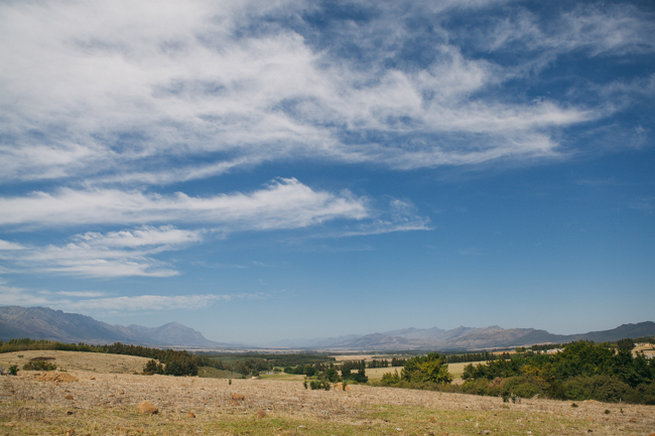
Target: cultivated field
85,402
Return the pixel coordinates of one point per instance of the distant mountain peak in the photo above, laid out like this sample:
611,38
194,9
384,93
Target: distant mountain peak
46,323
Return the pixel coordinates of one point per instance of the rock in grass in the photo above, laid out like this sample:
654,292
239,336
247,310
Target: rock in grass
147,407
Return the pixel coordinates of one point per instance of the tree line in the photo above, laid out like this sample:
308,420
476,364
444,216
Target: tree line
175,362
582,370
165,361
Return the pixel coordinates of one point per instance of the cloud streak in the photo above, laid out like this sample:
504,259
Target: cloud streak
283,204
93,300
90,91
109,255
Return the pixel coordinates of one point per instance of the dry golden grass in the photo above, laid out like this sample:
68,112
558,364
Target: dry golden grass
78,361
103,403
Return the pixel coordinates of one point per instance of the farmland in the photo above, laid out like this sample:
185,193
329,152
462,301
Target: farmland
81,401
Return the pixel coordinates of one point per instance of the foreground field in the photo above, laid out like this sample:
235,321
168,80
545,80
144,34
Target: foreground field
83,402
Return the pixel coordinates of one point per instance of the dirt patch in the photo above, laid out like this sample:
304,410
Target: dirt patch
55,377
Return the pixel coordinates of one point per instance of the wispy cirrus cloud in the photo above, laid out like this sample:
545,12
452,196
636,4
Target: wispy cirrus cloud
138,251
94,300
284,203
140,303
113,254
90,91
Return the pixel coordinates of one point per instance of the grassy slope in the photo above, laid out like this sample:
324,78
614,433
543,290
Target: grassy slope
79,361
104,403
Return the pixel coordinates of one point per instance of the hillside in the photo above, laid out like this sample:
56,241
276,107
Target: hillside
45,323
470,338
97,403
78,361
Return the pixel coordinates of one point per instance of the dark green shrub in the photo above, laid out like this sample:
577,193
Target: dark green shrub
606,388
644,394
390,378
39,365
153,367
319,384
523,386
476,387
13,370
598,387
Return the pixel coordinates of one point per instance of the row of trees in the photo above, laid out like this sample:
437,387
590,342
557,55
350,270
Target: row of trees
582,370
171,362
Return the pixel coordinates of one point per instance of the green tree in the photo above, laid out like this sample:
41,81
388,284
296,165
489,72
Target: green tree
426,369
626,344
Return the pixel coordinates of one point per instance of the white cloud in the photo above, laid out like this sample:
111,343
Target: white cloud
95,90
114,254
93,300
82,294
399,216
145,236
148,302
10,246
285,203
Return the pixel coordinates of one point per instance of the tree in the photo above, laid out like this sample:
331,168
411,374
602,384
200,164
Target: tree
625,344
426,369
152,367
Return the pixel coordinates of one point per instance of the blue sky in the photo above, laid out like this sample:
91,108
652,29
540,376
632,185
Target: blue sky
270,170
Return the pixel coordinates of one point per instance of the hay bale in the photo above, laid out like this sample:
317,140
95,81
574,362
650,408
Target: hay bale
147,407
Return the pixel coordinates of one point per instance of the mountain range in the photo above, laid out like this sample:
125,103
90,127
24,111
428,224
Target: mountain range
472,338
45,323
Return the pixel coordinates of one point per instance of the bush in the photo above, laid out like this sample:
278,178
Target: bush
476,387
39,365
13,370
153,367
319,384
390,378
644,394
598,387
523,386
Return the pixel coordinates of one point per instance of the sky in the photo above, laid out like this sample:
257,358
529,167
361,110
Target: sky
269,170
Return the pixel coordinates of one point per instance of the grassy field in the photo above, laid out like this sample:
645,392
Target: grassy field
94,402
78,361
210,372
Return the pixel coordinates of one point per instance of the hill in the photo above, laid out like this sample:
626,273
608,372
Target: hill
471,338
45,323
